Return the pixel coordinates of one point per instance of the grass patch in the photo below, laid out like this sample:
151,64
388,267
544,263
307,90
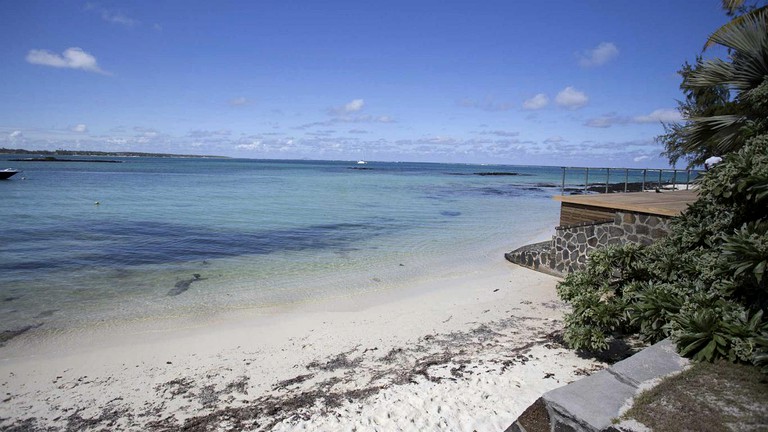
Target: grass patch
718,396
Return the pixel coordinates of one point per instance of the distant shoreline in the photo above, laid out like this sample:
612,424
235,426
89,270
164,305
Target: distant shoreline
102,153
53,159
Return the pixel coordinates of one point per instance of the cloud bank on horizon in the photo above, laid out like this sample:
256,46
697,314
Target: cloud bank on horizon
485,83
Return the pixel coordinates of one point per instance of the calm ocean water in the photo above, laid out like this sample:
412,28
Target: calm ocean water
176,237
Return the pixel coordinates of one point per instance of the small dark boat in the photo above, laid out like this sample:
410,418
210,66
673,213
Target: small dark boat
8,173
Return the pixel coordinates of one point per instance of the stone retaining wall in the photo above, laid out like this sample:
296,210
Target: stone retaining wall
538,256
571,245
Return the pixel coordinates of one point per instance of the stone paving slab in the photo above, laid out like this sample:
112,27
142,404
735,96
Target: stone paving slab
594,402
590,403
651,363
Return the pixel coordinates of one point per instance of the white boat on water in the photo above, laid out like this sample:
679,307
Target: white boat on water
361,162
8,173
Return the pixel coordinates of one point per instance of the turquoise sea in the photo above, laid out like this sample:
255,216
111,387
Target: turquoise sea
184,236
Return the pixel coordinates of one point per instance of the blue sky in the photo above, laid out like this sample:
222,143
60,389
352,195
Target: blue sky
545,83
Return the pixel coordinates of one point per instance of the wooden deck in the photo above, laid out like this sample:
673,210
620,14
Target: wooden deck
593,208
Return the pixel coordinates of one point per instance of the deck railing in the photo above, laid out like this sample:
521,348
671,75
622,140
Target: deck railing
646,178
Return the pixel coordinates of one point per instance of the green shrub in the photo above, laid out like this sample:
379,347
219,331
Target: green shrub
704,285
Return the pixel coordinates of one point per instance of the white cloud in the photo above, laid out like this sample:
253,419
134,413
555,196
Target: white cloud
111,16
345,110
239,101
254,145
488,104
72,58
641,158
79,128
347,118
354,106
601,54
203,133
665,115
117,18
500,133
571,98
554,140
537,102
603,122
16,137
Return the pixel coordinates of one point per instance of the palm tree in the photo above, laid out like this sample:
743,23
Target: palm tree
732,8
744,75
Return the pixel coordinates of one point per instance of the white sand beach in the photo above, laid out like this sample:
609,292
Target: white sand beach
455,352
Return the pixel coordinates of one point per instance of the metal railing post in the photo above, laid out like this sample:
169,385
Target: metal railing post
626,179
562,186
586,179
647,182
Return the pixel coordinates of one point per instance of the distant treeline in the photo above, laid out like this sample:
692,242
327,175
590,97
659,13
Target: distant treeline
99,153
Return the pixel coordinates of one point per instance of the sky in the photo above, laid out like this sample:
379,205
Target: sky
564,83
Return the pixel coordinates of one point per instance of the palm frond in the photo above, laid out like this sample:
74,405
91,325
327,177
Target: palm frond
747,37
750,18
732,5
710,73
722,132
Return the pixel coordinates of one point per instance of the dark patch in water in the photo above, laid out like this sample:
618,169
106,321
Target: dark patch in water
11,298
131,243
183,285
448,193
497,173
7,335
499,191
46,313
450,213
491,173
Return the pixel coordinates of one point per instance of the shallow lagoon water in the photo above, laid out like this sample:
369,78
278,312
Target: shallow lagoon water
174,237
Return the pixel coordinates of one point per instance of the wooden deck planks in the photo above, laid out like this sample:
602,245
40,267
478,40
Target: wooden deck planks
670,204
571,214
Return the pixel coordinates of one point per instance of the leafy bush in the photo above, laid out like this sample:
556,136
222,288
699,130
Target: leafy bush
704,285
